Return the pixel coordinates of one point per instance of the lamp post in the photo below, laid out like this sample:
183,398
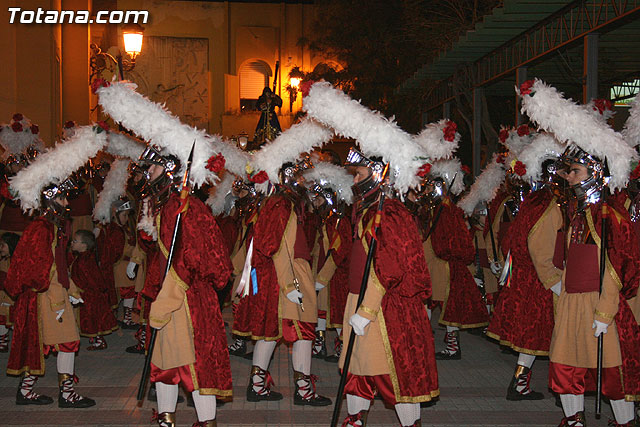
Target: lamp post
132,35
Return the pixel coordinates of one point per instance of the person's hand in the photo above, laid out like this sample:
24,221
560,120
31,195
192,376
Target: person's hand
479,282
557,288
75,301
131,270
601,328
295,296
496,268
96,232
59,315
358,323
319,286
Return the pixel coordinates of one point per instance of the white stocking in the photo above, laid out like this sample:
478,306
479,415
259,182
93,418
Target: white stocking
262,352
429,313
322,325
339,331
205,405
622,411
301,356
65,362
356,404
526,360
128,302
3,330
408,413
452,328
167,397
572,403
489,309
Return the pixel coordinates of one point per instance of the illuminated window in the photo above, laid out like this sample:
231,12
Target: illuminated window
254,77
623,94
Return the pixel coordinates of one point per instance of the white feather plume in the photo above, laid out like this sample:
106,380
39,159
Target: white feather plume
218,194
147,225
299,138
155,124
544,146
631,131
432,141
375,134
516,143
571,123
447,170
114,187
56,165
332,176
485,186
235,159
593,109
122,145
17,142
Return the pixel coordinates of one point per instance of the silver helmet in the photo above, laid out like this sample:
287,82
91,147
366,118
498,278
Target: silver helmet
368,189
590,190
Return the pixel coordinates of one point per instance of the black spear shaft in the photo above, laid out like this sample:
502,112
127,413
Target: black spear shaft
363,289
152,340
603,266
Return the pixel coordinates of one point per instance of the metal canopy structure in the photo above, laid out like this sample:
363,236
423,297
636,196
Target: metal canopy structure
526,33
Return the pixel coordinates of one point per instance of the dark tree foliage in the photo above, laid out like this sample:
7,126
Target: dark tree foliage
383,42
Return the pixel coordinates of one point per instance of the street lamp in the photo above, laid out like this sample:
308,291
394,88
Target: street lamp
132,35
295,77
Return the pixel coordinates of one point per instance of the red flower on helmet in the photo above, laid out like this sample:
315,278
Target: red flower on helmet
501,158
216,163
523,130
17,117
103,125
305,87
259,178
16,126
525,88
35,129
450,131
424,170
98,83
504,134
602,105
466,169
519,168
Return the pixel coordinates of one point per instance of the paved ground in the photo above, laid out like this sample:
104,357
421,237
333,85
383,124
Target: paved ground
472,392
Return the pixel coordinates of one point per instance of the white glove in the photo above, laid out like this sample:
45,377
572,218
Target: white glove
479,282
5,304
59,315
557,288
75,301
131,270
601,328
295,296
96,232
319,286
496,268
358,323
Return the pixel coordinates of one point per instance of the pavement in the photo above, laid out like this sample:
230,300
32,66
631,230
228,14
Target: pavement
472,392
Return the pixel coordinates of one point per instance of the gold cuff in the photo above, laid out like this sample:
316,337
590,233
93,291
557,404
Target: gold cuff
604,315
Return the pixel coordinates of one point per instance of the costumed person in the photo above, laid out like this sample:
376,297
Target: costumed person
485,189
268,126
38,275
39,282
397,285
393,353
523,315
191,343
8,243
276,284
448,249
595,160
247,206
21,143
95,317
330,192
